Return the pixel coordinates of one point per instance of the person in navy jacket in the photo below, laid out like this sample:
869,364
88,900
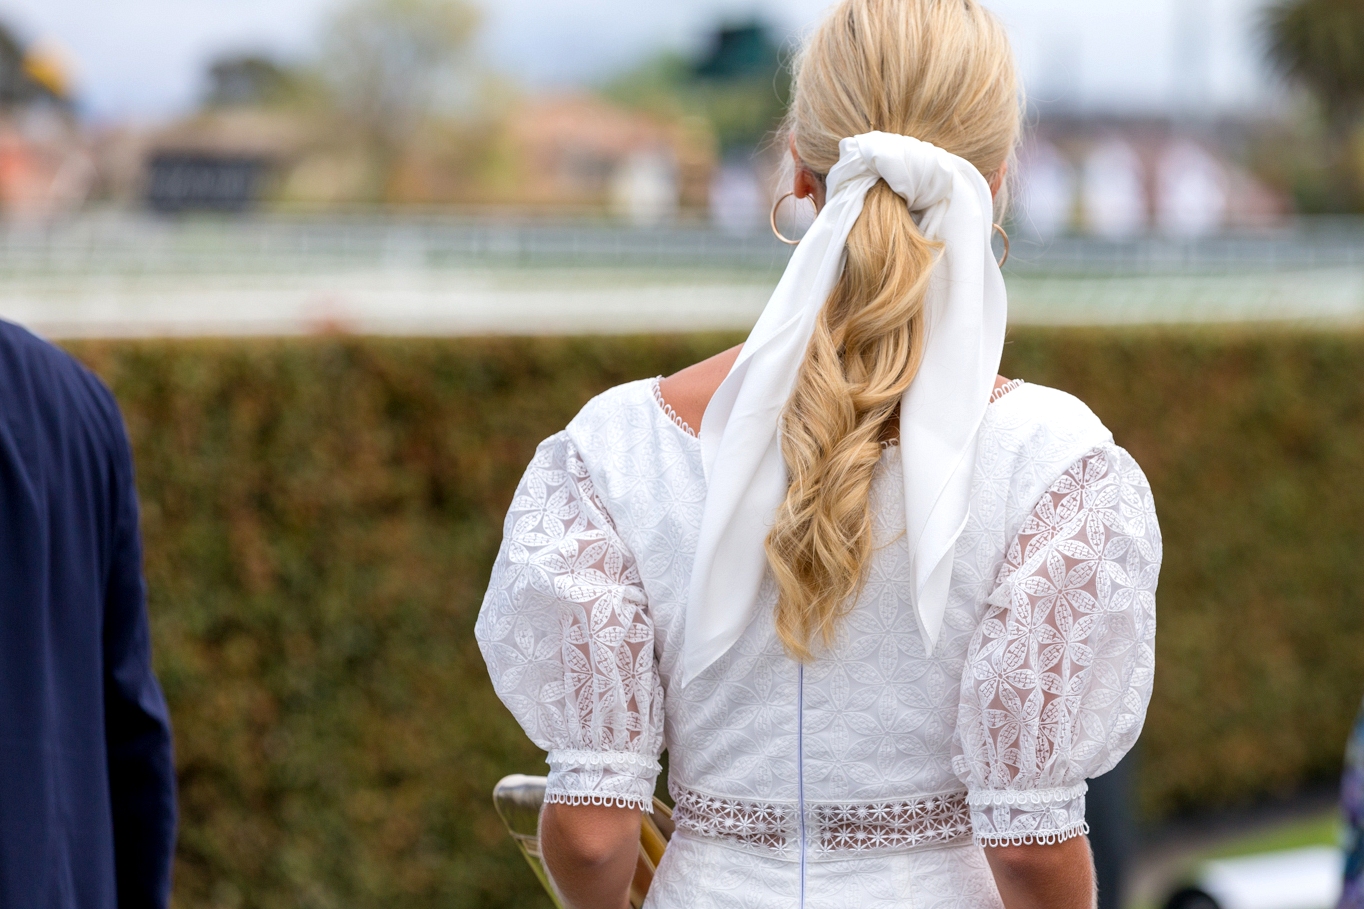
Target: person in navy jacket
87,782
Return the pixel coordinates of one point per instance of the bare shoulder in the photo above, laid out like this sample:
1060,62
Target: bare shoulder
689,391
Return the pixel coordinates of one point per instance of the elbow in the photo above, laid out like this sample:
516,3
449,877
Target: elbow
590,853
1023,861
1031,865
587,836
1029,860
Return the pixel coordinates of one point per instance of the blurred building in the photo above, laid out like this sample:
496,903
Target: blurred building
561,152
46,167
1113,193
738,199
1191,191
1046,187
45,164
220,160
578,150
1118,178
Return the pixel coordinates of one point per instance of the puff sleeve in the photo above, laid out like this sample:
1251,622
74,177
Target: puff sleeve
1060,671
569,642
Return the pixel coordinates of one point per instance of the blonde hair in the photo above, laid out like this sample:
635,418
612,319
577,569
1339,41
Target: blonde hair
941,71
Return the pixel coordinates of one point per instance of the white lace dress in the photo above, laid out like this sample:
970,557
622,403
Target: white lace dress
872,776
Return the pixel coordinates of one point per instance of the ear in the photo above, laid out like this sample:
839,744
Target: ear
806,185
997,181
802,186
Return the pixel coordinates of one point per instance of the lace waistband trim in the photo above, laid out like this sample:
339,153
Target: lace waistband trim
839,829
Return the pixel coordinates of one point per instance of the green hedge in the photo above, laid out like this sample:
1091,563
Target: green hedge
320,516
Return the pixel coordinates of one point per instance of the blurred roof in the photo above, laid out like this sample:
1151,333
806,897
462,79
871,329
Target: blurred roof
240,131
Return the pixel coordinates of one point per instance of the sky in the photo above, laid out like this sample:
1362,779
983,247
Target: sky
144,59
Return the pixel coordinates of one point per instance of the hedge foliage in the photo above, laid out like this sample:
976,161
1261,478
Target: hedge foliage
320,516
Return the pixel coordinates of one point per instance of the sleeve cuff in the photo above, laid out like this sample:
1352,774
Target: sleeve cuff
620,778
1015,817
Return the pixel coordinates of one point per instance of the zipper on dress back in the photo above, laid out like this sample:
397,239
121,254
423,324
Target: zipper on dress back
800,771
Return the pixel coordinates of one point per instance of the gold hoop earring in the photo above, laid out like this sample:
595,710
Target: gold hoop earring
1000,231
773,219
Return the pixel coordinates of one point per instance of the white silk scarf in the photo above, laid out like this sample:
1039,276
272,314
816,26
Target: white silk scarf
940,415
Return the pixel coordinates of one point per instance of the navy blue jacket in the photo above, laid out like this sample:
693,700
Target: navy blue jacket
87,784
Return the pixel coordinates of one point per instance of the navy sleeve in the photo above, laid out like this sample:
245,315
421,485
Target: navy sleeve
137,723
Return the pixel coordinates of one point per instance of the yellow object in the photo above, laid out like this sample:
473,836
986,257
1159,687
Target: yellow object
47,66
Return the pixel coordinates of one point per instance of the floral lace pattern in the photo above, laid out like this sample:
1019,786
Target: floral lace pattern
833,829
568,638
895,826
1062,665
1018,703
743,822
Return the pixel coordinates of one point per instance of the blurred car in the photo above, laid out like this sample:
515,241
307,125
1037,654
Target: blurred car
1307,878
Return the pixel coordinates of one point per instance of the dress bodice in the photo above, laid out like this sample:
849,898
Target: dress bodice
1039,679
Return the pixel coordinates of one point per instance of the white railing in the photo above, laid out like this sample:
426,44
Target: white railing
128,242
120,273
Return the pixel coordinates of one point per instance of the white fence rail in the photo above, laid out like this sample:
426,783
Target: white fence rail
119,274
128,242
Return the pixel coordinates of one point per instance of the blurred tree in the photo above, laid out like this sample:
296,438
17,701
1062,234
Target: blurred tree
743,51
394,65
745,84
256,80
1319,44
740,85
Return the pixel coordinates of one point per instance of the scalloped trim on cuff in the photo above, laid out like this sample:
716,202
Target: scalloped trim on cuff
984,798
1032,839
566,759
614,801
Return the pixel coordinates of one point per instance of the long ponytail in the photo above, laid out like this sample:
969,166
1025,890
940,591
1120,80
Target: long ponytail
941,71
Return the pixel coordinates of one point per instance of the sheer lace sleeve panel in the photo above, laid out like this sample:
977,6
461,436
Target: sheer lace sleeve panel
1060,671
566,632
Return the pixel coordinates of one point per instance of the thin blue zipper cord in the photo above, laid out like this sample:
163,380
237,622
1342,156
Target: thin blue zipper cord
800,770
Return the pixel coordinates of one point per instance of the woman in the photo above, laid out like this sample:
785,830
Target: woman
885,611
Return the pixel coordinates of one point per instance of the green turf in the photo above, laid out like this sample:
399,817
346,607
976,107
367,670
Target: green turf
1320,830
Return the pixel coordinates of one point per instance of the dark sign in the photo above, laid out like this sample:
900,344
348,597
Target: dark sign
197,182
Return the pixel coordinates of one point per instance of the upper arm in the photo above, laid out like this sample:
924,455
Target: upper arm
567,633
1055,875
1061,669
591,834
